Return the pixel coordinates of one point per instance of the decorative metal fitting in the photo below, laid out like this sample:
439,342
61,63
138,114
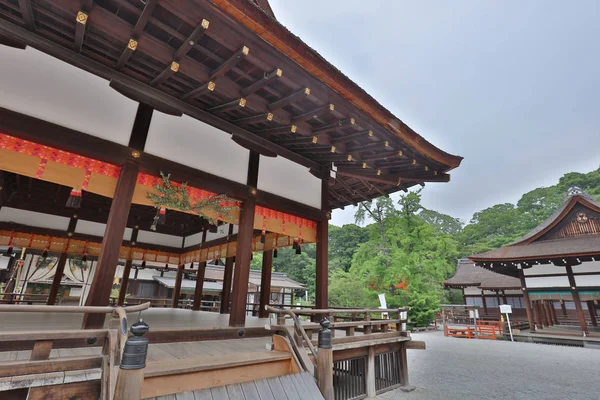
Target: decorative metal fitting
325,335
364,165
82,17
352,121
331,107
205,24
400,153
136,347
69,234
370,133
307,91
245,50
349,157
75,216
426,168
435,173
386,144
211,86
136,154
132,45
414,162
133,243
328,215
269,117
333,149
253,191
378,172
242,102
315,139
174,66
294,128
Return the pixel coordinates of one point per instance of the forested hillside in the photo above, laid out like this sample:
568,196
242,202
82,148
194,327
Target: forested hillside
407,251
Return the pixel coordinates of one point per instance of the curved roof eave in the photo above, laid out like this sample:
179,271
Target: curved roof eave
278,36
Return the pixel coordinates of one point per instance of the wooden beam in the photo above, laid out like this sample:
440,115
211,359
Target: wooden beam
353,137
313,114
385,156
289,99
282,130
265,283
265,81
396,180
141,126
27,13
266,117
136,33
371,146
111,244
199,286
10,42
205,88
134,95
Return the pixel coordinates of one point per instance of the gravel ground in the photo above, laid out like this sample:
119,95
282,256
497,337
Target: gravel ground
462,369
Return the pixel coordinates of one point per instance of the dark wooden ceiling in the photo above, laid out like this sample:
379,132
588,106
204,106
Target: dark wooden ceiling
191,58
31,194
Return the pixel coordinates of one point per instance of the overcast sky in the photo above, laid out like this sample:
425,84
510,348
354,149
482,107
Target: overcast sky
512,86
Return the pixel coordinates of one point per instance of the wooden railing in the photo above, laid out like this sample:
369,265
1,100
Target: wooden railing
42,342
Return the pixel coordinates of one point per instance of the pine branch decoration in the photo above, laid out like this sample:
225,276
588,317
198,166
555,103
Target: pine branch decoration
177,198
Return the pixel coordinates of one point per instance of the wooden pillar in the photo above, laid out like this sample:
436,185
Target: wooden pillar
124,282
538,316
403,365
548,313
577,300
591,310
504,297
265,283
485,310
528,308
563,306
199,286
371,388
177,289
243,253
111,244
226,293
553,311
498,299
544,313
60,268
322,262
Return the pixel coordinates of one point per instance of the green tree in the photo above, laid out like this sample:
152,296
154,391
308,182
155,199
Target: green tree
343,243
442,223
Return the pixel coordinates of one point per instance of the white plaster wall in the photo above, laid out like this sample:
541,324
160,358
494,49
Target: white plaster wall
44,87
545,269
472,291
198,145
587,280
222,231
287,179
548,281
193,240
159,238
592,266
4,262
31,218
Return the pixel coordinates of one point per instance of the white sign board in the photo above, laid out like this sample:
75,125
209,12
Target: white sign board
505,309
474,314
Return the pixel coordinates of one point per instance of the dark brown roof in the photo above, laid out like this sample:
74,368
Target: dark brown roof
468,274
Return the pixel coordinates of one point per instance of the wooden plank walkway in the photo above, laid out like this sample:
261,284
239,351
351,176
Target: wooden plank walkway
300,386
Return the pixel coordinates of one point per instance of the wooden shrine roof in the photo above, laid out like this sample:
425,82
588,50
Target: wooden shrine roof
570,236
231,64
468,274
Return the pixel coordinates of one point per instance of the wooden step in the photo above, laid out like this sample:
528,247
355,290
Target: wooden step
192,374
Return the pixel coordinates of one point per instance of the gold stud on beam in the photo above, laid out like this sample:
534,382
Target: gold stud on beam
278,72
349,157
386,144
211,86
307,91
331,107
294,128
82,17
400,153
205,24
315,139
245,50
132,45
136,154
370,133
333,149
435,173
174,66
269,117
364,165
352,121
414,162
378,172
426,168
242,102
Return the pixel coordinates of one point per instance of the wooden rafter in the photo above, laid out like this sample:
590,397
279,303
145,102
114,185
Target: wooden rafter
136,33
370,186
289,99
254,119
282,130
81,23
335,126
353,137
371,146
383,156
185,47
27,13
10,42
230,105
316,113
266,80
390,179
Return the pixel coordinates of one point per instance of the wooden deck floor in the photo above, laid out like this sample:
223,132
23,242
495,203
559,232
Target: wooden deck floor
300,386
156,318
